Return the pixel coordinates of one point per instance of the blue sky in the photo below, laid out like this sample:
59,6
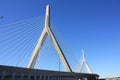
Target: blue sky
92,25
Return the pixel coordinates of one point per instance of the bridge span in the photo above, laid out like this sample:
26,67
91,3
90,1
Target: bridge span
18,73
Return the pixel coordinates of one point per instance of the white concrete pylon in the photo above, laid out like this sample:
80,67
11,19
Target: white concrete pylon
47,31
85,63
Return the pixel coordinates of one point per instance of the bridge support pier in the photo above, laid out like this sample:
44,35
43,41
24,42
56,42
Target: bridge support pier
44,77
40,77
34,77
3,74
22,76
13,76
29,77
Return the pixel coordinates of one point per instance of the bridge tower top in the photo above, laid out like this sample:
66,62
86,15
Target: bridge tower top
47,16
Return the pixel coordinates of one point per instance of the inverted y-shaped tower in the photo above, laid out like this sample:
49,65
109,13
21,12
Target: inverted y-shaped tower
85,63
47,31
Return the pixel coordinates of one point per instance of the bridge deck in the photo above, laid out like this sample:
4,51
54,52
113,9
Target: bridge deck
18,73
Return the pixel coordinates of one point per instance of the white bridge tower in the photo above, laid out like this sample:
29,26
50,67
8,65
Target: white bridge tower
47,31
85,63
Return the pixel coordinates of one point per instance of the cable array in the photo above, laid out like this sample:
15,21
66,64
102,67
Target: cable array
18,40
71,58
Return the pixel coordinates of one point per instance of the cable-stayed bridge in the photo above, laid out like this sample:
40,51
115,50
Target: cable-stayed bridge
31,46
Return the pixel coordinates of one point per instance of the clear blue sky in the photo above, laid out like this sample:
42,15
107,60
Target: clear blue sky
92,25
